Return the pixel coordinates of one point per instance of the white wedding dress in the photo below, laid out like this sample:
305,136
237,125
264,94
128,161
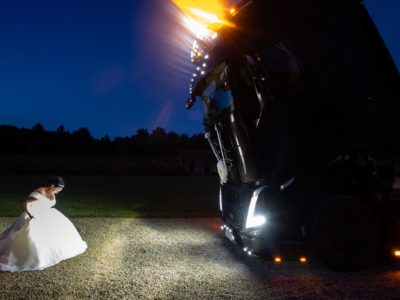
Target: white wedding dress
41,242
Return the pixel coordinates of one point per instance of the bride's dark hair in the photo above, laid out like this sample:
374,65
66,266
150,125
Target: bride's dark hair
56,181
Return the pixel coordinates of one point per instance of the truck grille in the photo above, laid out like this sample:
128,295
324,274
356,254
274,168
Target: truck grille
235,205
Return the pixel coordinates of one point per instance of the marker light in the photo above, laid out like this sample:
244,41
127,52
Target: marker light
396,253
303,259
203,17
278,259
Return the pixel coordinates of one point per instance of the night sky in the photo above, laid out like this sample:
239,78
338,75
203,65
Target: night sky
110,66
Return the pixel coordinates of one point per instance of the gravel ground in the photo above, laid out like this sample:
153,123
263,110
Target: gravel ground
183,259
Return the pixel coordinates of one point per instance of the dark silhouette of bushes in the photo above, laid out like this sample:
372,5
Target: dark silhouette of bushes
157,152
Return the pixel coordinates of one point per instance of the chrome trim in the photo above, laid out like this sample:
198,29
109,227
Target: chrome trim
220,199
287,183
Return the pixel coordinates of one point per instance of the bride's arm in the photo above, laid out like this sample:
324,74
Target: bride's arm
28,205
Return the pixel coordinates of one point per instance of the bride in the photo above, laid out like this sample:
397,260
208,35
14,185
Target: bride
42,236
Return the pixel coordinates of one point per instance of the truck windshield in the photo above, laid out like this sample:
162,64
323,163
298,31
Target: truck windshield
217,96
230,127
233,89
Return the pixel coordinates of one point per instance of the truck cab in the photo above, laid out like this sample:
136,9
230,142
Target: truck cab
301,104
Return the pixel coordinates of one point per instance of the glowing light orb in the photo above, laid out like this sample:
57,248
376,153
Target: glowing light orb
303,259
203,18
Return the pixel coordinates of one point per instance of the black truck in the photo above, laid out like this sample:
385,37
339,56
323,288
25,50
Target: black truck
302,111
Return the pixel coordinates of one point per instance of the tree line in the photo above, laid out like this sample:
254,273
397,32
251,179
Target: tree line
37,140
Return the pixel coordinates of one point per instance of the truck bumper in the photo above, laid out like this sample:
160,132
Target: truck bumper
266,242
242,205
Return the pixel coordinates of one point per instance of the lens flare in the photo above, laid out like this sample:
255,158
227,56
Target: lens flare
205,17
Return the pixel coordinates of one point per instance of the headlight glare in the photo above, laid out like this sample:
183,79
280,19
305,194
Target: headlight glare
252,219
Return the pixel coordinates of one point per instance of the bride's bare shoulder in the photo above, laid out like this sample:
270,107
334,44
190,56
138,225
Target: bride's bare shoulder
41,190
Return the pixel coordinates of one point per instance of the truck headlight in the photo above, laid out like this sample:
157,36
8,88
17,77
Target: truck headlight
252,219
255,221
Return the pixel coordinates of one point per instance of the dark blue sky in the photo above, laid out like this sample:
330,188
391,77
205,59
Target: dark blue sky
111,66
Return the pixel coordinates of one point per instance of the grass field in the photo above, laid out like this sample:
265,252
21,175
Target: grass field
119,196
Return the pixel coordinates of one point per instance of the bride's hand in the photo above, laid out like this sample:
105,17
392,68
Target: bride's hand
28,216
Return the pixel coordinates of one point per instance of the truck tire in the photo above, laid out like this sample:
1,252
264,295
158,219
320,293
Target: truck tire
346,234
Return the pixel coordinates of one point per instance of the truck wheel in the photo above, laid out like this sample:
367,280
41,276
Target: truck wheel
346,234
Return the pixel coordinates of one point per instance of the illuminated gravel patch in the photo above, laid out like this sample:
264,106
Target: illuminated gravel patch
182,259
